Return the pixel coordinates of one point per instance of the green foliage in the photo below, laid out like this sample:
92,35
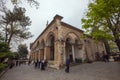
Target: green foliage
17,2
7,55
31,2
17,15
4,47
5,52
113,47
85,61
22,50
101,35
102,20
16,55
15,25
2,67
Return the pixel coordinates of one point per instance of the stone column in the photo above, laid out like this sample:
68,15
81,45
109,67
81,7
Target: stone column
73,53
62,53
47,52
33,56
39,55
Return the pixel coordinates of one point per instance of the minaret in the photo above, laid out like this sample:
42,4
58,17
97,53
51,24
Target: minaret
47,24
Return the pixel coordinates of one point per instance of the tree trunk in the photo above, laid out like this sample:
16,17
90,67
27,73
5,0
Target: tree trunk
117,41
6,35
9,40
107,47
11,35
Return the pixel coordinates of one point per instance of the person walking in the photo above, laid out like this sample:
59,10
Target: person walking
67,65
39,64
43,65
35,63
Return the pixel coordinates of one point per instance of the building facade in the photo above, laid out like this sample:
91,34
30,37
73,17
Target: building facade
60,41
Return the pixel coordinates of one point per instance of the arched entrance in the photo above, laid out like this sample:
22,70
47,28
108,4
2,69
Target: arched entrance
51,48
42,47
69,49
72,47
77,49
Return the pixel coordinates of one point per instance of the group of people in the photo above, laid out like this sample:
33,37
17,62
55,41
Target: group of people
41,64
104,57
13,63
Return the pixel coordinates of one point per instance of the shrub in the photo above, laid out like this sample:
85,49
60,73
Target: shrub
2,67
78,60
87,61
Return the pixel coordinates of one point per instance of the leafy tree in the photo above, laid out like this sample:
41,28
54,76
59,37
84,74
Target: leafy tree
103,20
4,51
3,47
15,25
22,50
16,55
17,2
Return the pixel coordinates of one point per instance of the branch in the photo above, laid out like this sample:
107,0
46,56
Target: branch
109,24
118,20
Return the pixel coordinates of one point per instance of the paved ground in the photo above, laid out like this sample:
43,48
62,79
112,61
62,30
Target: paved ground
94,71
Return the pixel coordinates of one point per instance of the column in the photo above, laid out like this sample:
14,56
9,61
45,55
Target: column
44,53
38,54
64,53
73,53
41,54
47,52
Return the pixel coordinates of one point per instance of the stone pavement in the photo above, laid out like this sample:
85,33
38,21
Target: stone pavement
94,71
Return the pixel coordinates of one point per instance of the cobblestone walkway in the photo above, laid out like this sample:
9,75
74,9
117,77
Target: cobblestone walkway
94,71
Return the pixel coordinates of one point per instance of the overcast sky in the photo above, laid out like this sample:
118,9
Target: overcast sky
71,10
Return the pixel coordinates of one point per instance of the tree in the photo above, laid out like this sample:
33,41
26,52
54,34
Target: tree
103,20
17,2
4,51
14,25
22,50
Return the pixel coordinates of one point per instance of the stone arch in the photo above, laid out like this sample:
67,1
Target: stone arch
68,49
72,36
42,47
49,36
50,41
72,42
42,44
38,44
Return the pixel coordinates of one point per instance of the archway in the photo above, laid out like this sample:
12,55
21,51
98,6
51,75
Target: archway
42,46
51,48
77,47
68,48
72,46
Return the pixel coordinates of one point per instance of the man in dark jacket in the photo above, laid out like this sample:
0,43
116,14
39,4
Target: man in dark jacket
67,66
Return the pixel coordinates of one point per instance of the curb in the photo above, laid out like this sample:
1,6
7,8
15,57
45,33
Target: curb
3,72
